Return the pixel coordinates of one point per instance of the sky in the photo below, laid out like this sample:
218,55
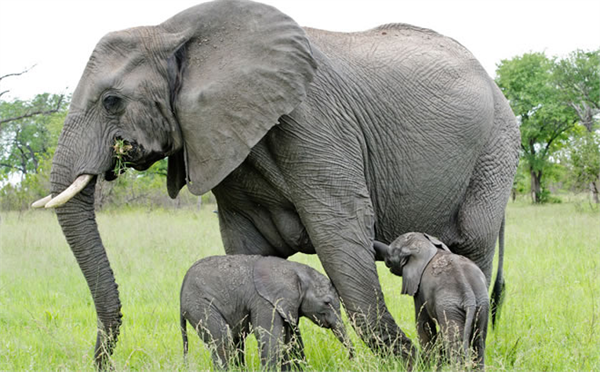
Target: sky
58,36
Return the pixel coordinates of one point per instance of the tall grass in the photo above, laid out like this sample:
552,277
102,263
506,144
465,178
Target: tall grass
550,319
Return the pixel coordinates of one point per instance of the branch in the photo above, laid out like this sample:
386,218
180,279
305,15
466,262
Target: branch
30,114
16,74
557,132
11,166
33,158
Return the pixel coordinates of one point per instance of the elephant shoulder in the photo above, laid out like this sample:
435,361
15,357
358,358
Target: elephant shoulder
442,263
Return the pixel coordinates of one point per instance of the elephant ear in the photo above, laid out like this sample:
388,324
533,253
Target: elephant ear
277,282
419,254
246,65
438,244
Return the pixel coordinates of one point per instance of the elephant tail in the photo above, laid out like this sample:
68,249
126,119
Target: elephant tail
183,325
497,297
468,330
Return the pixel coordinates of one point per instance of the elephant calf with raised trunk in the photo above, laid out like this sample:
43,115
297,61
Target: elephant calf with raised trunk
226,297
448,289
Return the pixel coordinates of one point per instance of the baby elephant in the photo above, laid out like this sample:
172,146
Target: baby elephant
447,288
223,296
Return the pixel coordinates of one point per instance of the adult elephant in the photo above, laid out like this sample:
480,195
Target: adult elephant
311,141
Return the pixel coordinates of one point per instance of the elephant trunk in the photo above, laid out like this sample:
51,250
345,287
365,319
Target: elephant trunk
340,333
78,222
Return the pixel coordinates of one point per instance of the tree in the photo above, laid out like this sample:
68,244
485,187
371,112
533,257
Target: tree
583,159
578,77
29,131
528,84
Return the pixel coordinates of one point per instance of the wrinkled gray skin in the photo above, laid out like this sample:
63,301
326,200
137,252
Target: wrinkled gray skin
226,297
448,289
312,141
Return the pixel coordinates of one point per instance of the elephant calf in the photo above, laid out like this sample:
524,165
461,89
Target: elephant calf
223,296
447,288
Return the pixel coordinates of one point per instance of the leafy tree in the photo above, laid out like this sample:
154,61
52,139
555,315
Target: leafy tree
578,77
583,159
29,132
528,83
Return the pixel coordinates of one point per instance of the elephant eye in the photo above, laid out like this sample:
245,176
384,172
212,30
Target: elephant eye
112,104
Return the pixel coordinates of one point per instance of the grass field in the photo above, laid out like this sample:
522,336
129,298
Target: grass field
550,319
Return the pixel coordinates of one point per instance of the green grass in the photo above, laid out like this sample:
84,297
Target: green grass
550,319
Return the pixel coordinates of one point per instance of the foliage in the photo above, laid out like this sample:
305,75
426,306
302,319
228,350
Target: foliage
549,323
578,79
30,130
585,158
28,137
530,85
582,162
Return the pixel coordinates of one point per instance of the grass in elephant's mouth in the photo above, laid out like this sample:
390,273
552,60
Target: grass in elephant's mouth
121,149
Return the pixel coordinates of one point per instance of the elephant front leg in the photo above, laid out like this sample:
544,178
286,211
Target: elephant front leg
293,357
269,330
343,237
427,332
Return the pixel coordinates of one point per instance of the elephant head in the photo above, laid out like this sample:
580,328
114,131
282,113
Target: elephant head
408,256
201,88
297,290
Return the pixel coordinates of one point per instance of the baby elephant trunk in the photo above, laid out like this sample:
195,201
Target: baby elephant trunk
340,332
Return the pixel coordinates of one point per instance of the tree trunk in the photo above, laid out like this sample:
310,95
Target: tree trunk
594,190
536,186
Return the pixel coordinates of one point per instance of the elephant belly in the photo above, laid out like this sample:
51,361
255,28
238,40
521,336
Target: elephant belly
426,203
255,218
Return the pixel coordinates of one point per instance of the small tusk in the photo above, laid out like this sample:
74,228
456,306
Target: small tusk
42,202
71,191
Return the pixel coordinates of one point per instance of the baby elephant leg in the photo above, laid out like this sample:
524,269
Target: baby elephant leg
452,325
293,355
269,330
426,331
216,334
238,351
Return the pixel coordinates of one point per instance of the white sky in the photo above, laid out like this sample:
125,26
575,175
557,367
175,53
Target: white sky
58,36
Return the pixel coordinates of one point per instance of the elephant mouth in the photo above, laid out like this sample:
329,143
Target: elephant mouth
397,269
130,154
125,155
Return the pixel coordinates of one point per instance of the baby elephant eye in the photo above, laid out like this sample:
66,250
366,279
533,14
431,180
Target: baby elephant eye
112,103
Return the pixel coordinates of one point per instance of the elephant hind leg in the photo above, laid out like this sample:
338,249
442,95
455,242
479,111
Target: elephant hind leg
216,334
452,325
482,211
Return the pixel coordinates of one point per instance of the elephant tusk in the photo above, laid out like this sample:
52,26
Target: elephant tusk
71,191
42,202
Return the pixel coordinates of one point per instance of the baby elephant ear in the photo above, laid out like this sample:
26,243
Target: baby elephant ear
438,244
277,282
419,253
